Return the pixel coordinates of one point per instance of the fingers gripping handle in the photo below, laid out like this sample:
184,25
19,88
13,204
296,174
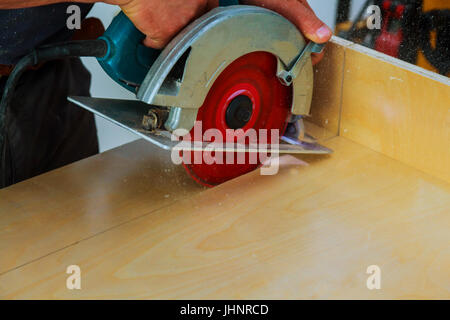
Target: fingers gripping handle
127,61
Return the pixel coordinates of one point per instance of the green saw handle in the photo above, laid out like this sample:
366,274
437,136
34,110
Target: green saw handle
127,60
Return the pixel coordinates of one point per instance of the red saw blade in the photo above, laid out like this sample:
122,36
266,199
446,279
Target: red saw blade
246,95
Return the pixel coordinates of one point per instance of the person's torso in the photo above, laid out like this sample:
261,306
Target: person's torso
21,30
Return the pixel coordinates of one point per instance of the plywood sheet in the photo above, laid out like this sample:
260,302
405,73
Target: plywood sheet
52,211
388,105
397,109
309,232
139,228
327,96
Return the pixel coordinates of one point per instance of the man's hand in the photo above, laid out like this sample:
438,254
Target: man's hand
299,13
161,20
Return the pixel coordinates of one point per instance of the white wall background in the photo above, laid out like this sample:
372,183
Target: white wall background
110,135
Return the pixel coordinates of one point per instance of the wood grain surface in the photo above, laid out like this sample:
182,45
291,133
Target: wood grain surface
388,105
140,228
328,81
57,209
398,112
309,232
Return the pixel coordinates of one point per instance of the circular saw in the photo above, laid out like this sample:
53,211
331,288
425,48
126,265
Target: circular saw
237,69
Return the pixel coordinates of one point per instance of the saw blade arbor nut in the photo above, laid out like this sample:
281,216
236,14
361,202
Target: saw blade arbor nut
154,119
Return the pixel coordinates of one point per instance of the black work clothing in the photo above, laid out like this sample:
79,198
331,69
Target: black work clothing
22,30
44,130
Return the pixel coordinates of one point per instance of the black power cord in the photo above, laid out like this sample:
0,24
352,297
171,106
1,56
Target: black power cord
70,49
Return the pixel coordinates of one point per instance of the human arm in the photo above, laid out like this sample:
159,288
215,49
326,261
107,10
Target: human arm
161,20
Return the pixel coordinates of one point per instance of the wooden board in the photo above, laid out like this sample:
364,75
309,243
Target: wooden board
62,207
309,232
390,106
139,228
327,98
